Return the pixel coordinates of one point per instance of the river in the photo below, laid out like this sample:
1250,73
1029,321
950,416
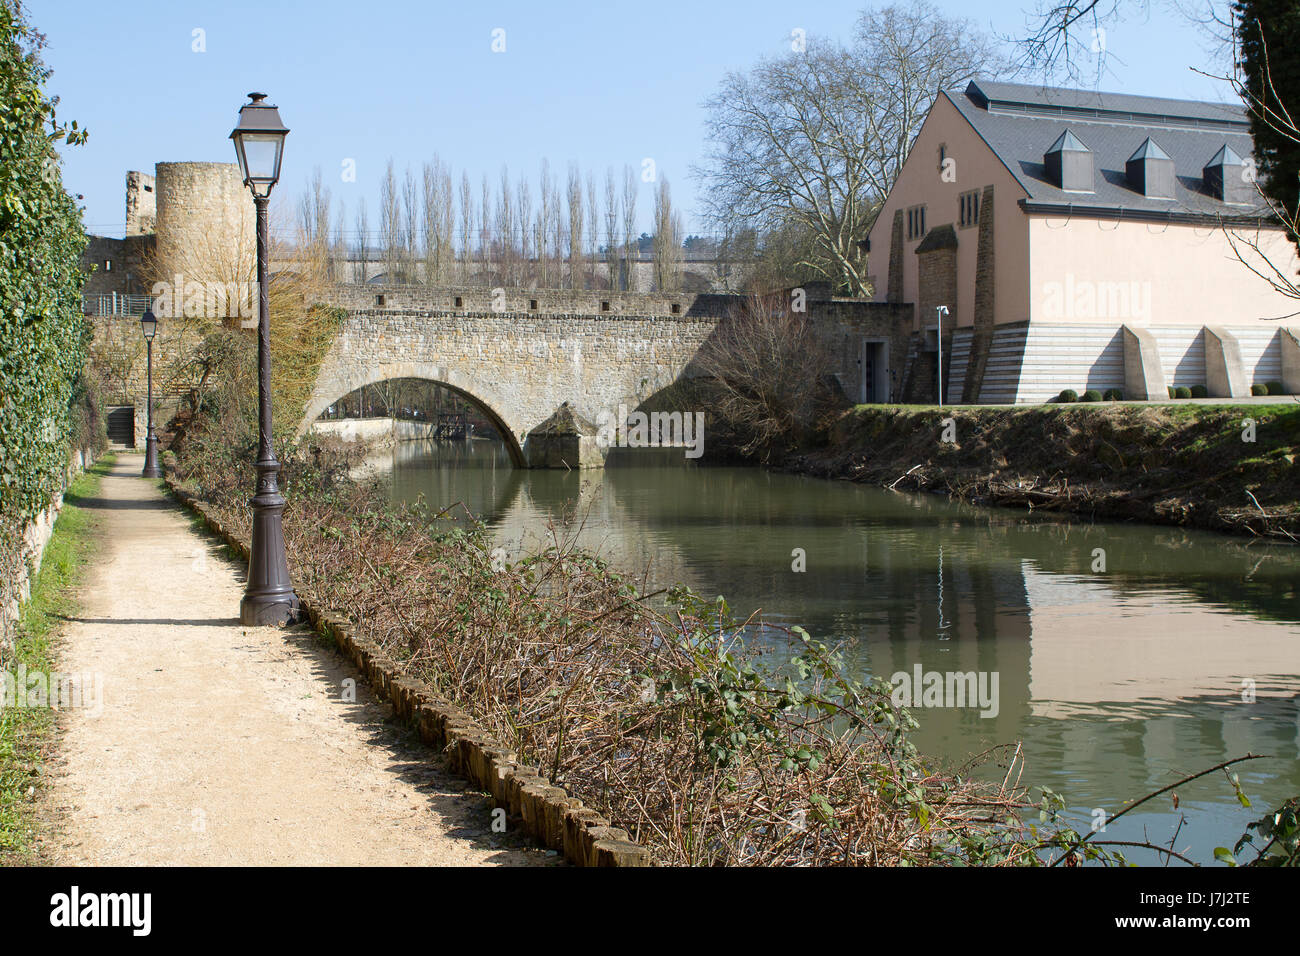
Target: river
1125,655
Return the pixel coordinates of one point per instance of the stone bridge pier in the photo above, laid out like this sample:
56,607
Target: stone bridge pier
544,380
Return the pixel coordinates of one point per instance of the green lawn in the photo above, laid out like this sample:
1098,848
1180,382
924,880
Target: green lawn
26,734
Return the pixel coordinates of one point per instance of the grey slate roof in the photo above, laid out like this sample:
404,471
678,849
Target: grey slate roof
1020,123
1149,149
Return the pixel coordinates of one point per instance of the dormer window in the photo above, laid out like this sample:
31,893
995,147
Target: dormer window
1150,171
1225,178
1069,164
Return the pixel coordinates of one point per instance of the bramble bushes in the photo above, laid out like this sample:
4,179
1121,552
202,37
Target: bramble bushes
662,718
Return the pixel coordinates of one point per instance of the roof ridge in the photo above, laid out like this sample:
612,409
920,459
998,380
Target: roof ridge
995,97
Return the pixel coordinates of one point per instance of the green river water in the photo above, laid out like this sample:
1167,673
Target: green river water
1116,681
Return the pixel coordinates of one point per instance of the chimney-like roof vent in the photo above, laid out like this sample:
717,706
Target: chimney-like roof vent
1150,171
1069,164
1225,178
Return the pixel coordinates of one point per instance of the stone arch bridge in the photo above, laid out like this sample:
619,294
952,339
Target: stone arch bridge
520,363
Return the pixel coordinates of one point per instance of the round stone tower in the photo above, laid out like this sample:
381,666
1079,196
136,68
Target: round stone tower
205,224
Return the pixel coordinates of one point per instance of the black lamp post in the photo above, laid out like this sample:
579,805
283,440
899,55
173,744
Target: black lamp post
268,598
149,325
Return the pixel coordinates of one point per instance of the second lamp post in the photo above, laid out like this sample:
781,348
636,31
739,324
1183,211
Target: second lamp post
268,597
149,326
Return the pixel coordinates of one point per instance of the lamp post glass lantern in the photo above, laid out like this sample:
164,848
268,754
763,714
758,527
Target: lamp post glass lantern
268,597
149,326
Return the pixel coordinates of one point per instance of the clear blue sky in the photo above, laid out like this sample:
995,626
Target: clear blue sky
601,83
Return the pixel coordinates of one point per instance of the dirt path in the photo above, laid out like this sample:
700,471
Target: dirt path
224,744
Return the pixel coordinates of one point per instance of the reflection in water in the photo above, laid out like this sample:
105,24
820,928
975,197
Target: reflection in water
1117,681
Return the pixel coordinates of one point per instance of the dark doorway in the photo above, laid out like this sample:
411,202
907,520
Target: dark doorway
121,425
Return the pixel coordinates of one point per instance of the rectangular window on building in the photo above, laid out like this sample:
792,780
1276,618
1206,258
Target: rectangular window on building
915,222
969,208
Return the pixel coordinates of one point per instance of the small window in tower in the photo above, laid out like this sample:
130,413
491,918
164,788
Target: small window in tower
915,222
108,265
379,300
458,302
604,306
969,208
148,189
676,308
532,304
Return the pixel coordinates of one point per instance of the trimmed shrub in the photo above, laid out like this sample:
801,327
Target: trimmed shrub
1113,395
1182,391
1069,395
1173,393
1275,388
1091,395
1259,389
1200,391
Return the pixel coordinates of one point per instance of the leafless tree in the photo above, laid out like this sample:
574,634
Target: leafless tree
439,220
466,225
390,224
817,137
505,230
611,228
547,215
1253,242
410,240
767,371
630,248
1070,39
360,252
577,263
593,230
528,271
485,228
667,240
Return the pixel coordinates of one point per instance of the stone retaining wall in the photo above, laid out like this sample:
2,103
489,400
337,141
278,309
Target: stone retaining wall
36,536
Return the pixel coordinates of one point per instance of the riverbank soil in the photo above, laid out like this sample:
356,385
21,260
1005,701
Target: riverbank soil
212,743
1220,467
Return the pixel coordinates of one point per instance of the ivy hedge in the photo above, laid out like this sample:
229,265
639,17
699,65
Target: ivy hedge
43,337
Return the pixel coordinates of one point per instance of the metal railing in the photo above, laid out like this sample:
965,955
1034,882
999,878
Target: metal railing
117,303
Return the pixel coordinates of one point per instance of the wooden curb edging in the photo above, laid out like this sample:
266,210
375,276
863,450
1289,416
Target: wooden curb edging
547,812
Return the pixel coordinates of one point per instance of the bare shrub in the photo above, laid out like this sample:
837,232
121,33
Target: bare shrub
766,372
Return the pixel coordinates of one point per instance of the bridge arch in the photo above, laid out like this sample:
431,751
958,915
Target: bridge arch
483,397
